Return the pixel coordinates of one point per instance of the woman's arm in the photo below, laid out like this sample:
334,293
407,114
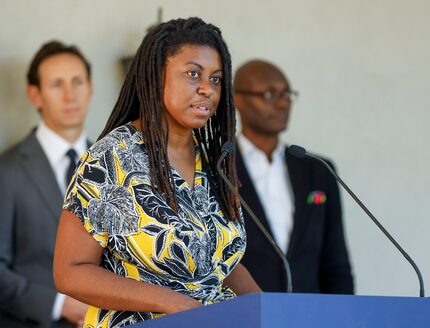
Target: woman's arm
241,281
77,273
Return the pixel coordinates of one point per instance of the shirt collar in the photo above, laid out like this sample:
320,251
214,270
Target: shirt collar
55,147
249,149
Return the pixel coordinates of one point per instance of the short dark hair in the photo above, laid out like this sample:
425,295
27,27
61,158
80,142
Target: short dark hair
142,96
50,49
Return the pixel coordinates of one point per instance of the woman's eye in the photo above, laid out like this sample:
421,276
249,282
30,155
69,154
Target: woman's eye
193,74
215,79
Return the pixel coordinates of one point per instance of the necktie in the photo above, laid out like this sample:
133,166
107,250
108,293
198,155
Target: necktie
71,154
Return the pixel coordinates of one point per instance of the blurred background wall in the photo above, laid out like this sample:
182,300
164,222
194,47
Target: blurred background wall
362,70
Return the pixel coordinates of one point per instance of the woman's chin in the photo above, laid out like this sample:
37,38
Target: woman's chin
199,124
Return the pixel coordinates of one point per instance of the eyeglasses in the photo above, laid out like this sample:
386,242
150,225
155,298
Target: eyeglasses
271,95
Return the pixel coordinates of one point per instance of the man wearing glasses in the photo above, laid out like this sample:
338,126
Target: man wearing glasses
297,200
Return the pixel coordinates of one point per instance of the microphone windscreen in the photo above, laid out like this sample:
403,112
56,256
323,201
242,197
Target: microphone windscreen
297,151
228,148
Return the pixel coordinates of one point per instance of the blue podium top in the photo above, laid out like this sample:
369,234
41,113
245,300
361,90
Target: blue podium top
303,310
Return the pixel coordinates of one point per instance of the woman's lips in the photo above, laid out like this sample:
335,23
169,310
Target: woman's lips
203,107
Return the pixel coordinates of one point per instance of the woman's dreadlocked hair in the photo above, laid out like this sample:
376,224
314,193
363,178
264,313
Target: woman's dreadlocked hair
141,96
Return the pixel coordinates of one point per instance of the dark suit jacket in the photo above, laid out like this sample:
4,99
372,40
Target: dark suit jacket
30,207
317,252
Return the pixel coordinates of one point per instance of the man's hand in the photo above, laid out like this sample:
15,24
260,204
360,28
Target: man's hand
73,310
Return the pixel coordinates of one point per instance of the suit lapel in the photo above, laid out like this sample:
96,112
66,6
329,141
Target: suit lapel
248,192
40,174
299,183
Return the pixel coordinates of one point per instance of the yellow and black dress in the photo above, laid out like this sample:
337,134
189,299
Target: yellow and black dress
190,251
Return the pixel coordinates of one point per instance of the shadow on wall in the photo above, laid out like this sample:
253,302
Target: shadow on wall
17,116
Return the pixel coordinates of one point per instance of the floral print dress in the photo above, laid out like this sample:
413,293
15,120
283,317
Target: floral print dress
190,251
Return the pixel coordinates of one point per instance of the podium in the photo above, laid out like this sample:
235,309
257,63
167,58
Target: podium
273,310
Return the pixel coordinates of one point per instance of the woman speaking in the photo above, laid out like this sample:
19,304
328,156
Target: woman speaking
148,226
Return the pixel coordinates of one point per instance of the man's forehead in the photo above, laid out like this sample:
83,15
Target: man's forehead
61,65
267,77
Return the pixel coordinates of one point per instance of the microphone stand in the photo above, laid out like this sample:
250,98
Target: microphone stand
301,152
227,149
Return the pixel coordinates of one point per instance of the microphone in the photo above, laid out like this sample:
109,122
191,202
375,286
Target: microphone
226,150
300,152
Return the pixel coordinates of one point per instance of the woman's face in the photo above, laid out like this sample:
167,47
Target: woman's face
192,87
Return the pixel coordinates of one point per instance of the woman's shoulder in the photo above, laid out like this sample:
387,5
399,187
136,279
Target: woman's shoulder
125,137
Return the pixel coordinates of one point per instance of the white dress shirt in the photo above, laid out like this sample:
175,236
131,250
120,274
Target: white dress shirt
272,184
55,149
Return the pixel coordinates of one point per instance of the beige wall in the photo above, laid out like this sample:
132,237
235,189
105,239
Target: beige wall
362,69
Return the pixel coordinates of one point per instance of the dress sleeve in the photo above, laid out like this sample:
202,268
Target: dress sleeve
87,194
